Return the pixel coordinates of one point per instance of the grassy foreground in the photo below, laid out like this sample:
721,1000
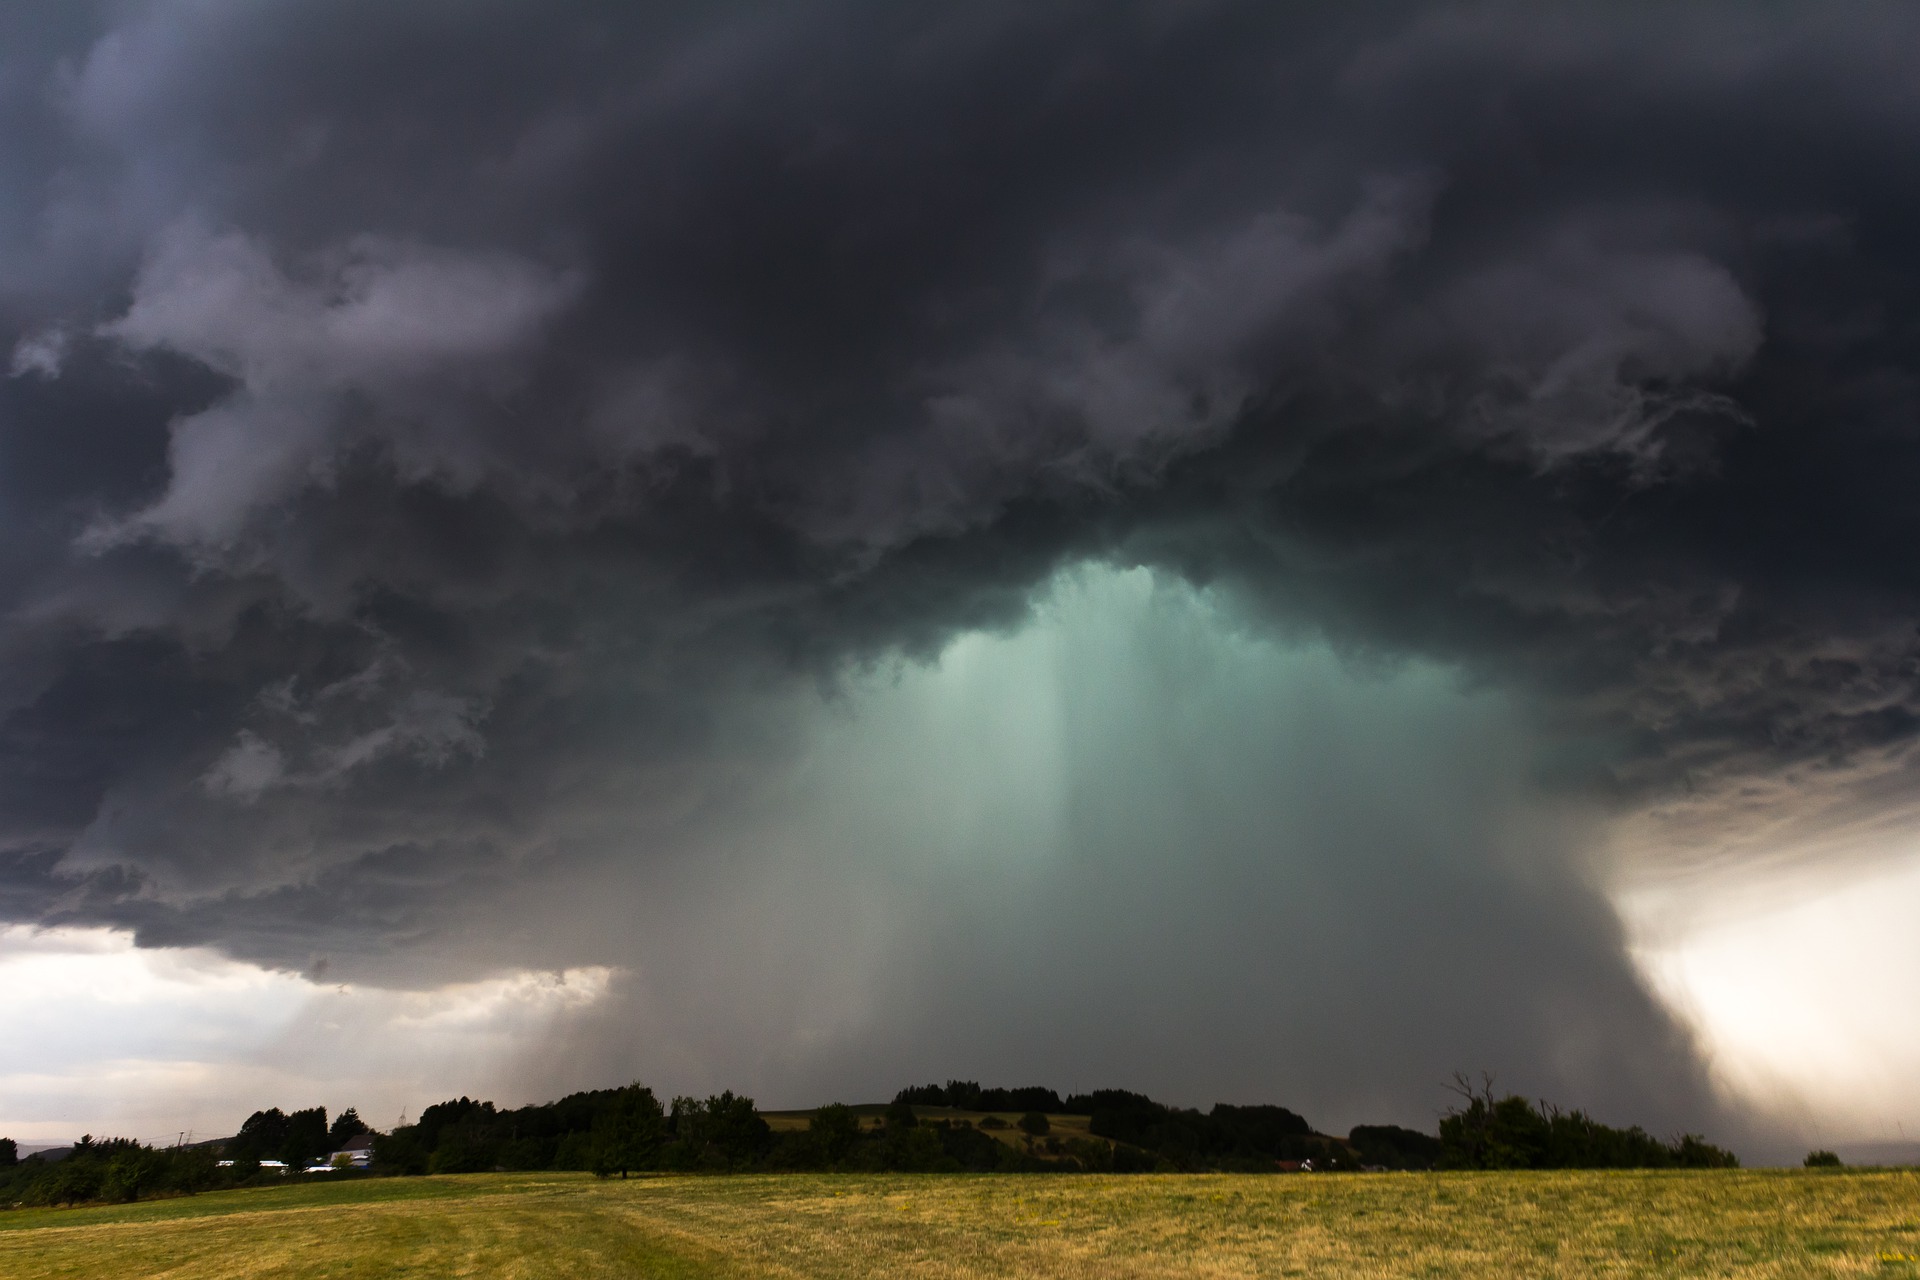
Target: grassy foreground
1710,1223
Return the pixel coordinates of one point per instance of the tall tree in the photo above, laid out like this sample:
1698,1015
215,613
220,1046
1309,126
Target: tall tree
306,1139
835,1128
347,1124
629,1132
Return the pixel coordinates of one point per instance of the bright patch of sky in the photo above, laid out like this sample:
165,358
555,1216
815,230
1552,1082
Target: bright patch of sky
101,1036
1803,1001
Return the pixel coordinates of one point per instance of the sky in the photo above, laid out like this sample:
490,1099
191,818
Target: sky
1244,552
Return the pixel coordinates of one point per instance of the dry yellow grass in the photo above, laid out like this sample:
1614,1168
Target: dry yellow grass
1722,1224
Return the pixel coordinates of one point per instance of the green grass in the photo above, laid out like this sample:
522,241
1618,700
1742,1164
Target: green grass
1722,1224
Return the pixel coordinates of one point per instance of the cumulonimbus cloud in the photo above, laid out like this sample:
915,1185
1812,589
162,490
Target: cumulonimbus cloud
606,381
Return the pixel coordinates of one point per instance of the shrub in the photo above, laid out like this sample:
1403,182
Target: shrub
837,1129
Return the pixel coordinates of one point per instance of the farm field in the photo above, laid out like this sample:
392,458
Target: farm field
1706,1223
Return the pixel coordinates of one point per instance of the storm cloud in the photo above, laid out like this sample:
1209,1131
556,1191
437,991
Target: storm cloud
496,486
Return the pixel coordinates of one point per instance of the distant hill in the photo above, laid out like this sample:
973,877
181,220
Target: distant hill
1143,1133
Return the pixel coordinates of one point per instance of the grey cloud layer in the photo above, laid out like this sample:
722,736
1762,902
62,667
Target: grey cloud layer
435,440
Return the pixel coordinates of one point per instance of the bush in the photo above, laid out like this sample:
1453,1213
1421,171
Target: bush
836,1129
574,1152
1389,1146
1034,1123
916,1150
1822,1160
401,1151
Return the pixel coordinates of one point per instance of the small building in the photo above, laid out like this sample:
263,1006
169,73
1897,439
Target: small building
355,1153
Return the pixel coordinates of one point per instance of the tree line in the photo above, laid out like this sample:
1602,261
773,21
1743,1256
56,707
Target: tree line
118,1170
108,1169
296,1139
623,1131
619,1132
1226,1138
1487,1131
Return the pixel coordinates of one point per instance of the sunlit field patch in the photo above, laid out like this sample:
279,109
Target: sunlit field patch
1717,1223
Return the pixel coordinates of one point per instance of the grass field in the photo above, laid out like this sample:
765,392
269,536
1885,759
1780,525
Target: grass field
1738,1224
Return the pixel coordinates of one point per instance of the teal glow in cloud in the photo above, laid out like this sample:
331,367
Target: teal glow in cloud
1138,841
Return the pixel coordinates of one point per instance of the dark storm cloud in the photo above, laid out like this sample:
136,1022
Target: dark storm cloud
440,439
